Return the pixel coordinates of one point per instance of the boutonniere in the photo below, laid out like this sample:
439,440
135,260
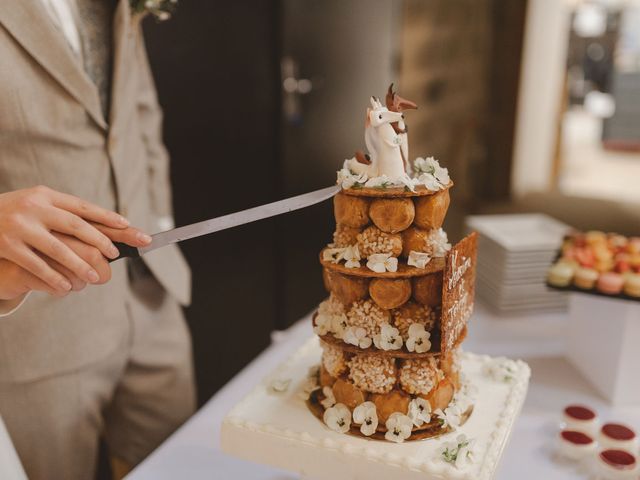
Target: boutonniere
160,9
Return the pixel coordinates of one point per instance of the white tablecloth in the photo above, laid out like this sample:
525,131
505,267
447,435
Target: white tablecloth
193,452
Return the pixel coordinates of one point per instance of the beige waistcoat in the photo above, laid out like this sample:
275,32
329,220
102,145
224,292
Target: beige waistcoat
52,132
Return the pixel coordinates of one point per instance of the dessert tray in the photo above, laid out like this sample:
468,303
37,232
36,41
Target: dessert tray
272,425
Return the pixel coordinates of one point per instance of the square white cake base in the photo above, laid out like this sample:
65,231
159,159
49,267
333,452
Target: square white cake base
278,429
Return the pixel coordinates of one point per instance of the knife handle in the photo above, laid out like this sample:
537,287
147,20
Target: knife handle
126,251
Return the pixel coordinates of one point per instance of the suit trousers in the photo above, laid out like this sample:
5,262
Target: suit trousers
134,398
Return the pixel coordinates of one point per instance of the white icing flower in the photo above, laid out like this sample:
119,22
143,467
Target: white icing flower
338,418
351,255
357,336
450,417
333,255
323,324
430,182
408,182
398,428
418,340
459,452
329,398
418,259
366,416
382,262
439,242
339,325
347,179
280,385
419,411
432,175
389,338
501,369
379,182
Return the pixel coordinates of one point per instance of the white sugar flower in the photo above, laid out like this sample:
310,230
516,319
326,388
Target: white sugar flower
357,336
389,338
459,452
382,262
339,325
323,324
408,182
419,411
418,259
432,175
351,255
418,340
450,417
338,418
379,182
280,385
439,242
346,179
501,369
430,182
398,428
333,255
329,398
366,416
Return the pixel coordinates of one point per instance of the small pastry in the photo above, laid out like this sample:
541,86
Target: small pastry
610,283
585,278
431,210
441,396
616,465
368,315
392,215
350,210
372,373
373,240
389,294
411,313
348,394
419,376
618,437
333,360
389,403
326,380
348,289
575,445
632,284
560,275
580,418
345,236
595,238
415,239
427,289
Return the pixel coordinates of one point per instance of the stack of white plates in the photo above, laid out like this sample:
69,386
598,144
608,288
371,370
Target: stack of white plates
514,254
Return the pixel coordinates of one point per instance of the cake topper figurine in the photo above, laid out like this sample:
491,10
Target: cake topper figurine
385,136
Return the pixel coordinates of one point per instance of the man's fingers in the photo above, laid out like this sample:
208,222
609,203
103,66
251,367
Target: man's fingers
47,243
88,210
131,236
89,254
73,225
77,284
35,265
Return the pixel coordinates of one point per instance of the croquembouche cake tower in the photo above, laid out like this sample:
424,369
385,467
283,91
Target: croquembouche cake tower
386,367
400,295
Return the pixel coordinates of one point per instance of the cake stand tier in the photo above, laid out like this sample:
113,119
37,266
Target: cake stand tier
436,265
394,192
278,429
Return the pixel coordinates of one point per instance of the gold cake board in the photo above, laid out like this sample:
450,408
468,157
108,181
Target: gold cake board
279,430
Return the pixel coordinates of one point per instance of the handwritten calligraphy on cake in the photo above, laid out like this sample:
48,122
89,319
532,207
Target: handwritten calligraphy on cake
458,290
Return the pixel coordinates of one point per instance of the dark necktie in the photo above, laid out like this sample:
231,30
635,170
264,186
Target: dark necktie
96,31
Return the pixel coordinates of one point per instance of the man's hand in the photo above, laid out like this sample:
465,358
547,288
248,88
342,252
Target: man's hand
36,229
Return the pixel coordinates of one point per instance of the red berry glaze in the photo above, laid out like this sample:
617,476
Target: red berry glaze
577,438
580,412
618,459
617,431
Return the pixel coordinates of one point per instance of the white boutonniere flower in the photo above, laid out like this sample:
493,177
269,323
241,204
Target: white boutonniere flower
338,418
160,9
398,428
329,398
419,411
382,262
418,340
389,338
418,259
357,336
366,416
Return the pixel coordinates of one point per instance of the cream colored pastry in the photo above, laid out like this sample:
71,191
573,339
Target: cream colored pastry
632,284
388,293
585,278
392,215
431,210
350,210
560,274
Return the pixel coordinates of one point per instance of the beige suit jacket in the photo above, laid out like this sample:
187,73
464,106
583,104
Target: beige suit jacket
53,132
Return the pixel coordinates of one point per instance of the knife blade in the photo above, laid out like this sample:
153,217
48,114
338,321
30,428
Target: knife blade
231,220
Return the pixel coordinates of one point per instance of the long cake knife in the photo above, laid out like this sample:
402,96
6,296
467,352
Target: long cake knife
231,220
